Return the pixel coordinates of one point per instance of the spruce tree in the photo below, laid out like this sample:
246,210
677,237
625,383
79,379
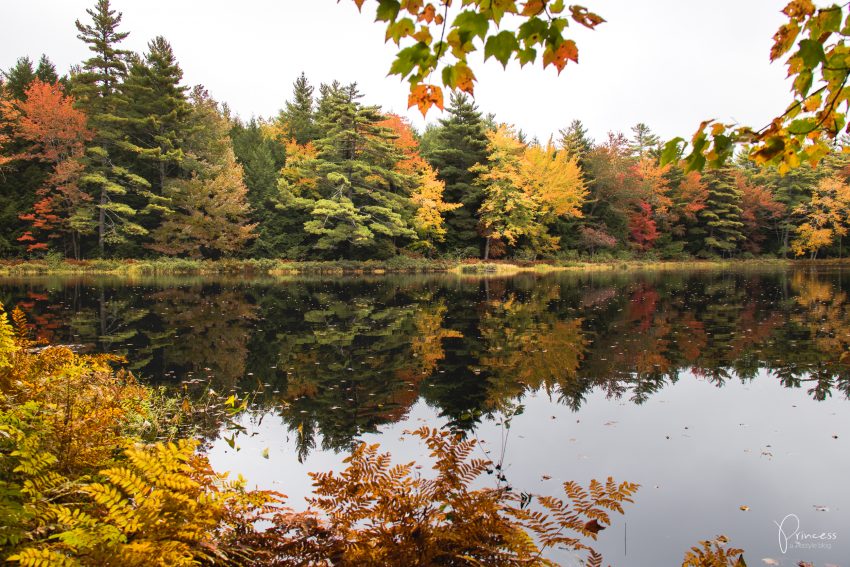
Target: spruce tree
574,140
298,118
46,71
96,88
18,78
261,158
459,143
721,217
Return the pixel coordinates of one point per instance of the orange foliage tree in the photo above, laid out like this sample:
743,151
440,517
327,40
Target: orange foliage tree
56,134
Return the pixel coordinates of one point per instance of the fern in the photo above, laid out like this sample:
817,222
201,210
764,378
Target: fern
713,553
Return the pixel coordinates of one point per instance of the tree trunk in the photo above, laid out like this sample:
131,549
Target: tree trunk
101,222
487,248
785,232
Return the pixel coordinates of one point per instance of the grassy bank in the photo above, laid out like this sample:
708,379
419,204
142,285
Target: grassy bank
398,265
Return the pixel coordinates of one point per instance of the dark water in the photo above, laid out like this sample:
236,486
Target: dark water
713,390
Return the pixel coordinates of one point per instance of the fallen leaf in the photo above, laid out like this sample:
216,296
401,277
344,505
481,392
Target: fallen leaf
594,527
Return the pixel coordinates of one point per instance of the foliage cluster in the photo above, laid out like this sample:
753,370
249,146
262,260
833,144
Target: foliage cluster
79,487
121,159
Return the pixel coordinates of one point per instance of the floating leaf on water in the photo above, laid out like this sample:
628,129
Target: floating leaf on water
744,508
266,453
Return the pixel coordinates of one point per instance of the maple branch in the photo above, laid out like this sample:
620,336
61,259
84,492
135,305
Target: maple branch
443,30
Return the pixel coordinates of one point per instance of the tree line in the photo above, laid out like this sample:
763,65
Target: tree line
120,159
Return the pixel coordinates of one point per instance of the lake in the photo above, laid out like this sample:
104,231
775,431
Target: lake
724,393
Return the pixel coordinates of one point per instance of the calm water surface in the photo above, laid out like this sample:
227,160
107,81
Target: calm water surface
713,390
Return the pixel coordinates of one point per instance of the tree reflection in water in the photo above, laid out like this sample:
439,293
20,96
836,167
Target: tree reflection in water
336,359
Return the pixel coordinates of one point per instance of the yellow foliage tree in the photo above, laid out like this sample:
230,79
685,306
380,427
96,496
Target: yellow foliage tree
525,188
827,217
428,198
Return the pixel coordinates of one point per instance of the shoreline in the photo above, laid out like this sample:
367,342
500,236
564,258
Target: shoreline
281,268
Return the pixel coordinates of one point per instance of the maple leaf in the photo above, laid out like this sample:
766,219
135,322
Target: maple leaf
567,51
424,97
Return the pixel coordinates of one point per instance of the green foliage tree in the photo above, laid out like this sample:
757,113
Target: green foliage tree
457,144
643,141
575,141
18,78
46,71
154,111
721,217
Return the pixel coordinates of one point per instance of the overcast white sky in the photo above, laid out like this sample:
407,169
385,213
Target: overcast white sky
669,63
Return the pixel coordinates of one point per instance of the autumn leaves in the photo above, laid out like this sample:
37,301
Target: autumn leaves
434,36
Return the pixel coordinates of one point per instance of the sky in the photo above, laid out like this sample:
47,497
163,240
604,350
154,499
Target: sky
667,63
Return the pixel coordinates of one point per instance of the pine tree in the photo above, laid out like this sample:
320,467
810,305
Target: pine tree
155,109
460,143
298,119
644,141
96,89
357,205
721,217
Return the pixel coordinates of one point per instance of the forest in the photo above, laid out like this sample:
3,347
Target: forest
114,389
119,159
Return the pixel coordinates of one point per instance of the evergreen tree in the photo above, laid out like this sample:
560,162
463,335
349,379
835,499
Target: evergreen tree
574,140
261,158
18,78
644,141
46,71
721,217
357,205
298,118
154,111
460,143
96,89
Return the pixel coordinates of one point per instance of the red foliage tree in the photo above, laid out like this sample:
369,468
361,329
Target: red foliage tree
758,210
642,228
